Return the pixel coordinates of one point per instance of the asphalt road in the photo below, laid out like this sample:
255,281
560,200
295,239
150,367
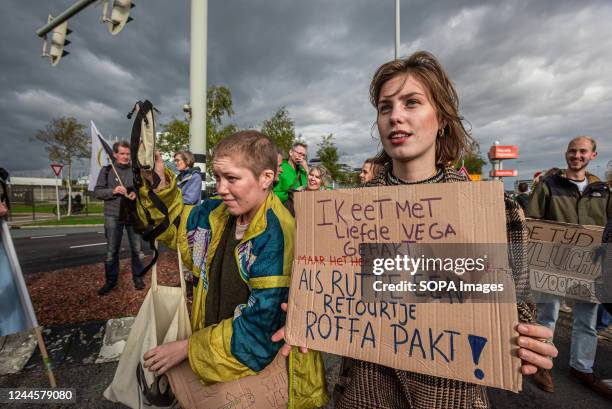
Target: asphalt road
73,349
53,248
569,393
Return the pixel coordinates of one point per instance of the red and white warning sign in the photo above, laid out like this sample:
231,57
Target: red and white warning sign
57,168
465,172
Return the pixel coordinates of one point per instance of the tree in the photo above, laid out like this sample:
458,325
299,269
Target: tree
173,137
218,105
65,141
349,177
328,154
280,129
175,134
472,160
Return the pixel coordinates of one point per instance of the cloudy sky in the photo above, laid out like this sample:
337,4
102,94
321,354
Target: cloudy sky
532,73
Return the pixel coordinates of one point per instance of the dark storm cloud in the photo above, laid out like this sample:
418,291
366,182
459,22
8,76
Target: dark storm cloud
531,73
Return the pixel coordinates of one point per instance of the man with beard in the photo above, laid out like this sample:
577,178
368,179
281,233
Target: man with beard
573,196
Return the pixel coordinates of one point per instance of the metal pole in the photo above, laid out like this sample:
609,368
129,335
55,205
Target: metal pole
71,11
197,83
57,196
397,28
33,205
496,164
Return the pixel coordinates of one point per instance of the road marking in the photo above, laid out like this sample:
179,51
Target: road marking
88,245
44,237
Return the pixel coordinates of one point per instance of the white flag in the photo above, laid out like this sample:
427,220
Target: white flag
99,158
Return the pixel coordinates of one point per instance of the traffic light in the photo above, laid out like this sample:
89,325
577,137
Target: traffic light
119,15
58,42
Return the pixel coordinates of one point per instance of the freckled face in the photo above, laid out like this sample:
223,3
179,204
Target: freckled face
407,120
242,192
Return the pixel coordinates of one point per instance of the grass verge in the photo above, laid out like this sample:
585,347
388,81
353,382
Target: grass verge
49,207
70,220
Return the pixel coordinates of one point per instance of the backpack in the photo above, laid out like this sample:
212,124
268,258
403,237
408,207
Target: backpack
142,151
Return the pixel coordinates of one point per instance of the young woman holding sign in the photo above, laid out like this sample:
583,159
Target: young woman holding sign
421,133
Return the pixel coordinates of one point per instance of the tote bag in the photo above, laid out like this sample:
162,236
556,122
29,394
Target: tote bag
163,317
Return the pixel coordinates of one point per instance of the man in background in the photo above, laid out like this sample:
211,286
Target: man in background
573,196
523,197
114,183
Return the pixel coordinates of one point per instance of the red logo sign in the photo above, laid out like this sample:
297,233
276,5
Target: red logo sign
504,173
504,152
57,168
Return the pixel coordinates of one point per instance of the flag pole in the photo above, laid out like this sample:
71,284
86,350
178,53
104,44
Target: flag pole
115,170
24,297
110,158
45,357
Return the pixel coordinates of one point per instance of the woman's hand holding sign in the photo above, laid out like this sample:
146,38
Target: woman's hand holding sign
280,335
536,350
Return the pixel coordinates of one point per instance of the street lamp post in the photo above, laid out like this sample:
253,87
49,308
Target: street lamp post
397,28
197,84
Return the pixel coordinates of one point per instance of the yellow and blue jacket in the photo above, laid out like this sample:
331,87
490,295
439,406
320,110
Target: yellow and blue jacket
240,346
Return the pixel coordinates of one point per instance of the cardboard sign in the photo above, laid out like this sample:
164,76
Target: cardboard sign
469,342
267,390
561,258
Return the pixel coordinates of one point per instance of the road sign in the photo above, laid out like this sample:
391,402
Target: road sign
57,168
465,172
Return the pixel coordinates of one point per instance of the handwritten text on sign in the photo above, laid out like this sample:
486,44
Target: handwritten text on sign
470,342
371,221
563,258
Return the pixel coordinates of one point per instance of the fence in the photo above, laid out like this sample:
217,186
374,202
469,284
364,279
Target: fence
39,202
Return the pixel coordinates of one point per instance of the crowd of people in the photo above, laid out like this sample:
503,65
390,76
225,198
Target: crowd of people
239,246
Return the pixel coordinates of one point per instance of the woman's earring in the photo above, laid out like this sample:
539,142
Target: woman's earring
441,132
